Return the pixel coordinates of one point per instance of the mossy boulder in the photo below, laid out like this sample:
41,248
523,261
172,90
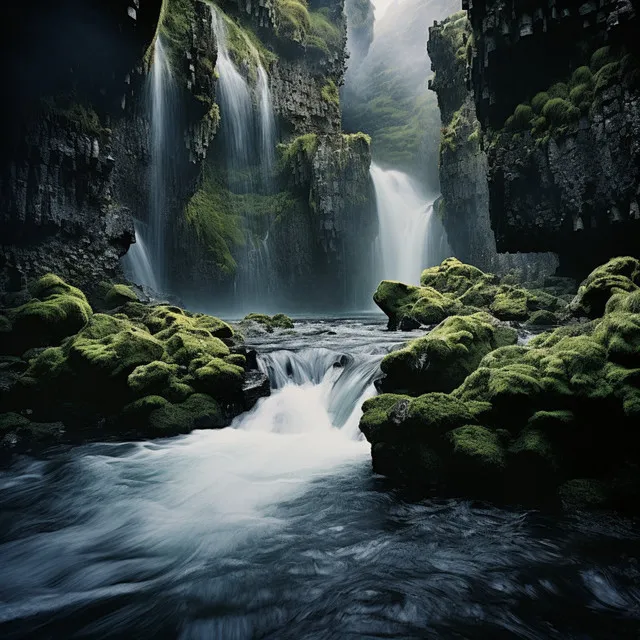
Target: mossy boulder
443,359
19,434
199,411
452,276
153,378
616,276
542,319
118,295
455,288
219,379
409,306
269,323
56,311
184,347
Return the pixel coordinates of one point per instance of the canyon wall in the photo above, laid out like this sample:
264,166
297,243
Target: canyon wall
71,69
463,164
557,92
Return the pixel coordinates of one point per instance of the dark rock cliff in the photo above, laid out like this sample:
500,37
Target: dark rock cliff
463,166
557,92
70,69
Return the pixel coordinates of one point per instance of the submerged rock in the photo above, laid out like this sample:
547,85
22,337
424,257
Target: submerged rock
520,423
261,321
144,371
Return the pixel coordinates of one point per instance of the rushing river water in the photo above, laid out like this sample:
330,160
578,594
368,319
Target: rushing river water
276,528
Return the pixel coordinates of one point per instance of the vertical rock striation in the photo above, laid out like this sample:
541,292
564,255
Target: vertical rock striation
557,91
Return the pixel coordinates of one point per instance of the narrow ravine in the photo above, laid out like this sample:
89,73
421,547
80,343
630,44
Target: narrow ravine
275,528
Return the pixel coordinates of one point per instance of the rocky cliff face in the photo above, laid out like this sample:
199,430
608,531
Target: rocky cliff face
57,186
557,92
463,166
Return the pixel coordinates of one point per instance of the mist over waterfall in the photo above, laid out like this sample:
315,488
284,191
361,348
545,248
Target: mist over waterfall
411,236
146,260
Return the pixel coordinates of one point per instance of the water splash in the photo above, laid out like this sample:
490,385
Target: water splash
137,264
411,236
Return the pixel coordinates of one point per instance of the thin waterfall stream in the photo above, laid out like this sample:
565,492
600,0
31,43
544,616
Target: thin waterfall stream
145,261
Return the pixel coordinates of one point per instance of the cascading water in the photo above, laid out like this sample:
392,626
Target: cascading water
137,264
411,236
249,134
146,261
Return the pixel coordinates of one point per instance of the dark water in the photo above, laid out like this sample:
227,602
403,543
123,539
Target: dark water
277,529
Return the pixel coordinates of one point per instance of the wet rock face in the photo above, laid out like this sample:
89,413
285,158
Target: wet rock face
578,194
57,206
576,189
463,166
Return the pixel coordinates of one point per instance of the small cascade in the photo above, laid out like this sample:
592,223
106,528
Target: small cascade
137,264
327,386
411,236
249,139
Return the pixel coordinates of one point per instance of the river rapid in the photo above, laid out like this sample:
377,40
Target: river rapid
276,528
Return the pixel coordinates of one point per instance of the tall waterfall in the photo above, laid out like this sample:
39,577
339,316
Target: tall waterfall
249,137
146,261
411,236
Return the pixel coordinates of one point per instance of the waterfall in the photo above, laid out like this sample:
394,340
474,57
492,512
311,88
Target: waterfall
145,262
411,236
249,138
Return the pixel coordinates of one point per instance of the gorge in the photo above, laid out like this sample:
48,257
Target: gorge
439,439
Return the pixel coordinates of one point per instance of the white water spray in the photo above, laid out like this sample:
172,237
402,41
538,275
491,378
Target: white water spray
137,264
411,236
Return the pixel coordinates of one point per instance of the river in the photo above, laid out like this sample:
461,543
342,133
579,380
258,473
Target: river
276,528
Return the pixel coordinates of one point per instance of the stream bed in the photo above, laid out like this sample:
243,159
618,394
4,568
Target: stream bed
276,528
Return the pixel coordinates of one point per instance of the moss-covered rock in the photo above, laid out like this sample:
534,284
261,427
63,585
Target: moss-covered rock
542,319
184,347
455,288
56,311
269,323
452,276
409,306
219,379
119,294
583,493
153,378
199,411
617,275
443,359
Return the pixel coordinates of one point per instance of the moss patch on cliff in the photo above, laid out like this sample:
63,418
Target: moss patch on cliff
329,92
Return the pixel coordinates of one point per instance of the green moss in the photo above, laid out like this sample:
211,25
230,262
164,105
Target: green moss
559,90
323,34
199,411
184,347
57,311
582,76
607,76
175,25
292,20
522,118
219,379
510,303
114,355
619,332
307,145
542,318
118,295
477,448
330,92
600,58
70,111
618,275
138,411
49,365
581,493
532,450
152,379
443,359
539,100
437,413
270,323
559,112
452,276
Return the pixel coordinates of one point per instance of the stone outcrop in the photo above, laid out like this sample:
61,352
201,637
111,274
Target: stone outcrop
557,94
463,166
